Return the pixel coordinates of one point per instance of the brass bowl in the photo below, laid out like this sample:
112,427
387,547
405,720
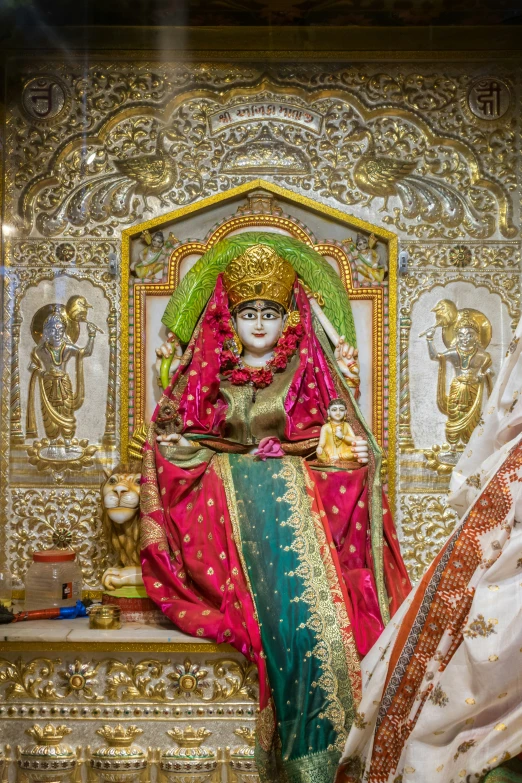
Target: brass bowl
105,617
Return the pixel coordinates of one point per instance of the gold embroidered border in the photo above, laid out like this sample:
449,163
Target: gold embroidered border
265,722
152,533
352,656
150,500
335,680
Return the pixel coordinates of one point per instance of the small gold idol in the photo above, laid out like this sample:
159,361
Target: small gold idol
335,441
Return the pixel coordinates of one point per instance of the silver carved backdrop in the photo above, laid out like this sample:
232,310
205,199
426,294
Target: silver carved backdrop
424,150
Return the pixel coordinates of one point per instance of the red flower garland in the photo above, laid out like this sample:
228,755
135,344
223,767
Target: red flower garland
239,375
218,317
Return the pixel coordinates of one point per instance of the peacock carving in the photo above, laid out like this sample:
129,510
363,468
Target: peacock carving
384,176
114,193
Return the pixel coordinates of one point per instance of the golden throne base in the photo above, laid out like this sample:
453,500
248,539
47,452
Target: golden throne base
64,674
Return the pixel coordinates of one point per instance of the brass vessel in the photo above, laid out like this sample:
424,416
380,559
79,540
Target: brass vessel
119,761
105,617
191,761
48,759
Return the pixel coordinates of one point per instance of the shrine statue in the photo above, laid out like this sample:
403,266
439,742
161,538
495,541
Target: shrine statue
246,541
120,497
469,335
370,267
337,438
49,360
442,698
153,259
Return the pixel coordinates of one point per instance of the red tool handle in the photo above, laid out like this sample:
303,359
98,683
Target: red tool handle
37,614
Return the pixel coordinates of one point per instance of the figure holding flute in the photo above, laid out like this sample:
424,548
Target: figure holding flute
466,333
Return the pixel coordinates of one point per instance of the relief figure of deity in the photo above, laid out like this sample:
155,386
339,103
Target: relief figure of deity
466,333
55,328
364,252
152,264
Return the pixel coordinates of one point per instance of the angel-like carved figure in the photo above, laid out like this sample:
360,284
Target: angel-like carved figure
152,264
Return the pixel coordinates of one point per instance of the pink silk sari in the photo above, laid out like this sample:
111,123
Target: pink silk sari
192,567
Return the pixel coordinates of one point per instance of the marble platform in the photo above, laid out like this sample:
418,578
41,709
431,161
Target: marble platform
47,634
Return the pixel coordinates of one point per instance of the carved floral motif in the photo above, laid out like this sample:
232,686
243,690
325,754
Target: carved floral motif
458,178
426,523
45,518
152,680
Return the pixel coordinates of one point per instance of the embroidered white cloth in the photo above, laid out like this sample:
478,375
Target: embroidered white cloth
442,688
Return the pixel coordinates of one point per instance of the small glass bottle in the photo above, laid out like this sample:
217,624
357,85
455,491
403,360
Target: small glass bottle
6,588
53,579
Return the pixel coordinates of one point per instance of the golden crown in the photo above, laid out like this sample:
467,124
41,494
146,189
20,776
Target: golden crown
466,321
259,273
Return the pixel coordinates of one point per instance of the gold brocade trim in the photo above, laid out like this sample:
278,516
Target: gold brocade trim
247,421
300,448
265,727
350,648
152,533
335,681
150,500
266,720
314,768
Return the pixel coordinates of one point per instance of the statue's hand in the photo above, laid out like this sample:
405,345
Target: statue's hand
346,358
114,578
360,449
174,437
91,329
430,334
339,432
166,349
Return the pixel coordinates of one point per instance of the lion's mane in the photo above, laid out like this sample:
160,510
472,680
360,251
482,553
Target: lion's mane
123,538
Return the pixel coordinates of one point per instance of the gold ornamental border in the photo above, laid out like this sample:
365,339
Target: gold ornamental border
375,295
107,646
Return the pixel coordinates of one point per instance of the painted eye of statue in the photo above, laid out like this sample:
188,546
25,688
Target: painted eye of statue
112,480
269,315
138,480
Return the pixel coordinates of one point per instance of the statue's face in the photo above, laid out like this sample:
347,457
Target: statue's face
337,412
54,330
466,337
157,241
259,327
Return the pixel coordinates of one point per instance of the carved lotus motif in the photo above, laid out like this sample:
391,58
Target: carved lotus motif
460,256
78,679
189,679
